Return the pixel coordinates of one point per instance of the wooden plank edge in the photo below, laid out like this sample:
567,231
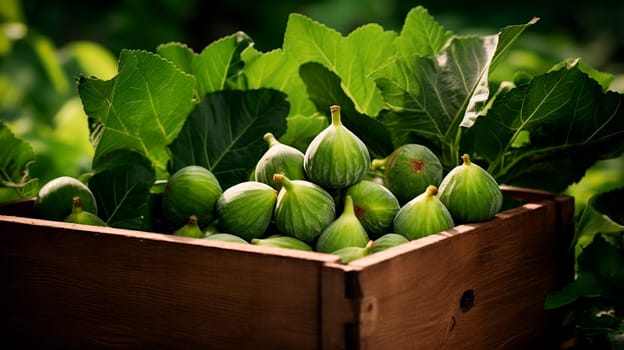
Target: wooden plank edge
154,236
435,238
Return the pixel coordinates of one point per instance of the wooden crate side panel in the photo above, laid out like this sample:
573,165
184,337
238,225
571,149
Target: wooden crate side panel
503,269
78,288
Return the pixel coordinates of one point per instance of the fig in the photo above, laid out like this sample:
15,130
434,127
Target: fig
281,159
226,237
388,240
192,190
345,231
336,157
190,229
470,193
246,209
409,169
302,209
423,215
80,216
374,205
282,242
55,199
348,254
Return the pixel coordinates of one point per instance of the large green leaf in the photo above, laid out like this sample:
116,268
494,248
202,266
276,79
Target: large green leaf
506,38
566,123
225,132
178,53
428,98
422,35
121,186
274,70
219,65
324,89
15,157
353,58
141,109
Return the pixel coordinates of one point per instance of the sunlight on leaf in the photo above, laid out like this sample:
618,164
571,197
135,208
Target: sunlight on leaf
422,35
141,109
570,122
217,67
353,58
274,70
428,97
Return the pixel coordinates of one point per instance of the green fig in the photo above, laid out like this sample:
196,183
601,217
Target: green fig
336,157
281,159
409,169
470,193
302,209
226,237
422,216
190,229
192,190
388,240
54,200
246,209
345,231
80,216
281,242
348,254
375,206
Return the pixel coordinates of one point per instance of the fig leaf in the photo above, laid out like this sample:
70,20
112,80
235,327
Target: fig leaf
224,134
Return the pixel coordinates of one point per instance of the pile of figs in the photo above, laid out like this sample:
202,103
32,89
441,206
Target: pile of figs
326,199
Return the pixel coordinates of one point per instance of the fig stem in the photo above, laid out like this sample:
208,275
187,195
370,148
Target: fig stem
77,204
281,179
270,139
466,159
431,191
379,163
348,206
335,115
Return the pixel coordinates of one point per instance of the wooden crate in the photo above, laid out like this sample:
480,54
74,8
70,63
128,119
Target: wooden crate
476,286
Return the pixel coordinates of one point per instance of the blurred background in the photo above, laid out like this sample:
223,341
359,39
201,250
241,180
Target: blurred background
594,28
591,29
45,45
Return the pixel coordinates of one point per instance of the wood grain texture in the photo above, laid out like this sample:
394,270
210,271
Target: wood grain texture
410,295
75,287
